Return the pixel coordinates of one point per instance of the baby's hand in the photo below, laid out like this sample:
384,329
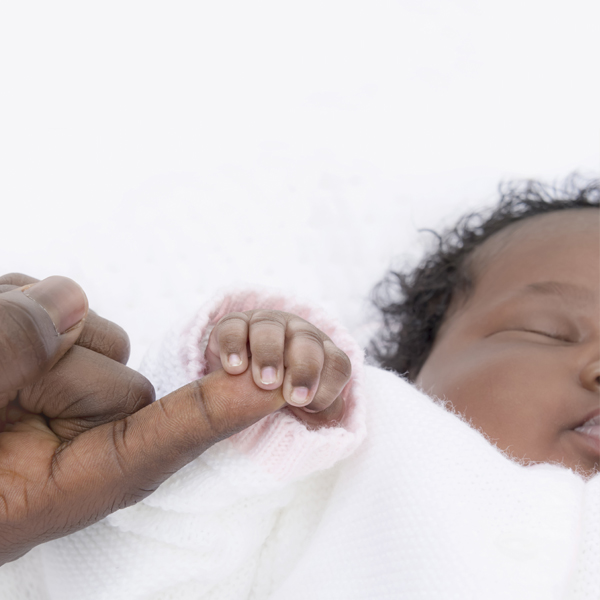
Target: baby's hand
283,349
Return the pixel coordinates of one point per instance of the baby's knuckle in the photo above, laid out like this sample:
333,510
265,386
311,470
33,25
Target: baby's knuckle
306,334
231,342
309,362
340,364
305,373
232,319
268,317
267,351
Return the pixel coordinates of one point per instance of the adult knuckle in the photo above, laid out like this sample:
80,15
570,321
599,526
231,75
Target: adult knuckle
107,338
209,406
15,505
17,279
118,446
140,392
21,334
116,342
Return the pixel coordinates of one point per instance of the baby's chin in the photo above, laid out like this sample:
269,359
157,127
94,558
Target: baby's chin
585,472
586,445
572,451
583,466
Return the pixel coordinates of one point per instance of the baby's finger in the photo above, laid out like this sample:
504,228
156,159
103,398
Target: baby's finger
267,344
304,360
330,417
228,342
336,373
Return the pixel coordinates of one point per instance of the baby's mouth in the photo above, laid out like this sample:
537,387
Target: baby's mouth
591,429
591,426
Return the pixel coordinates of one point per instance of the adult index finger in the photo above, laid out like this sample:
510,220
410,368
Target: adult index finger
118,464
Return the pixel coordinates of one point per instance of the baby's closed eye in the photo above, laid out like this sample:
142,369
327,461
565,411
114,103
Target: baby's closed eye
536,335
549,334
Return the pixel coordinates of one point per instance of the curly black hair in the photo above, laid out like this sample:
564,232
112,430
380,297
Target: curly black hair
413,305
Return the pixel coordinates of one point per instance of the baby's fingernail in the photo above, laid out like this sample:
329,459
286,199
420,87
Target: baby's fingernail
268,375
299,395
234,360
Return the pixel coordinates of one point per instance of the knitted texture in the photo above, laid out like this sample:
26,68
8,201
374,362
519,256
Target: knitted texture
423,507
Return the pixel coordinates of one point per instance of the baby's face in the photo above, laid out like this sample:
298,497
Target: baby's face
521,358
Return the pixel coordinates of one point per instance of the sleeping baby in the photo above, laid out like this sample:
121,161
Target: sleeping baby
502,322
464,466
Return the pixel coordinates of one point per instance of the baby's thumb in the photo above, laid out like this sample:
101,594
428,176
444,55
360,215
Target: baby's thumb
38,323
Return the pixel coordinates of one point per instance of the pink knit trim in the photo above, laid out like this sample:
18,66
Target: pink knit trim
281,444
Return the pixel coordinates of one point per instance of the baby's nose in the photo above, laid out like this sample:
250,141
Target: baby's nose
590,376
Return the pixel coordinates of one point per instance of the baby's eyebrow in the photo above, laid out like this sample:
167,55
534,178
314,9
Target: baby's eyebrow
568,291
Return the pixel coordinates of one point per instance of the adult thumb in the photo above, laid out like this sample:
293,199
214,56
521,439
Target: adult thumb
39,322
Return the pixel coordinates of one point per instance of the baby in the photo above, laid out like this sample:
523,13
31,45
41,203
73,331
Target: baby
501,321
363,487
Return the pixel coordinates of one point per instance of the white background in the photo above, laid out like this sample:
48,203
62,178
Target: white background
158,151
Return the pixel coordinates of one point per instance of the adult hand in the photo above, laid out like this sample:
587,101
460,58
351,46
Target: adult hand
84,437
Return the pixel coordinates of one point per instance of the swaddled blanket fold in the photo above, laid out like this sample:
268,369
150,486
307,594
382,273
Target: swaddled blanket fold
402,500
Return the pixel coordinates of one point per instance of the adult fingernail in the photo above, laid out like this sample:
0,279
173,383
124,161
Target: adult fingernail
299,396
62,298
268,375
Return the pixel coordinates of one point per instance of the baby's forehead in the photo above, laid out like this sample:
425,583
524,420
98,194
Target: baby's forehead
561,247
535,234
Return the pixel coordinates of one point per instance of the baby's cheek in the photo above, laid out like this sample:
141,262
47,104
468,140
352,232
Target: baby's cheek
499,391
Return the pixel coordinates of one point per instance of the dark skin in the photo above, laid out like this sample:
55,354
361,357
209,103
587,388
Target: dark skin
80,433
520,357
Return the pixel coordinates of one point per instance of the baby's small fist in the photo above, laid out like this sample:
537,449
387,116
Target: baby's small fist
282,349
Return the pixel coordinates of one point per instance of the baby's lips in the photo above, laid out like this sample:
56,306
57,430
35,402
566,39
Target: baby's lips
591,427
590,432
592,421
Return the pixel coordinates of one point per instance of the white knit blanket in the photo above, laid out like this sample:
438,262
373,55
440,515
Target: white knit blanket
422,507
